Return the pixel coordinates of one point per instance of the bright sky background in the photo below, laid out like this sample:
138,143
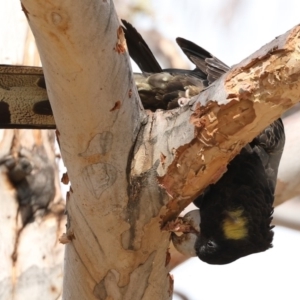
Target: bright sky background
246,28
273,274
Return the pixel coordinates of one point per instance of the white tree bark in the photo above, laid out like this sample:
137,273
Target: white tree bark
114,152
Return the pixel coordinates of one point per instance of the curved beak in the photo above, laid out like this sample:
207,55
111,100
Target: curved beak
185,243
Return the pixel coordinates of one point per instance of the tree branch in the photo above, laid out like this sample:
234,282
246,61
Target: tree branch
225,117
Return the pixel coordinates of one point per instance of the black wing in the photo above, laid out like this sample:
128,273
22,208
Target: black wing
139,50
269,146
163,88
211,66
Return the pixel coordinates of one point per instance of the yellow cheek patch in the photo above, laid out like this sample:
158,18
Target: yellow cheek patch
234,225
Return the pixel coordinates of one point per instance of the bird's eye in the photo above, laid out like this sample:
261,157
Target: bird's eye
211,244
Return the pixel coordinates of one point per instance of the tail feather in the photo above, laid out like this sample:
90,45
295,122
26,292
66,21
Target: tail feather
203,60
139,50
